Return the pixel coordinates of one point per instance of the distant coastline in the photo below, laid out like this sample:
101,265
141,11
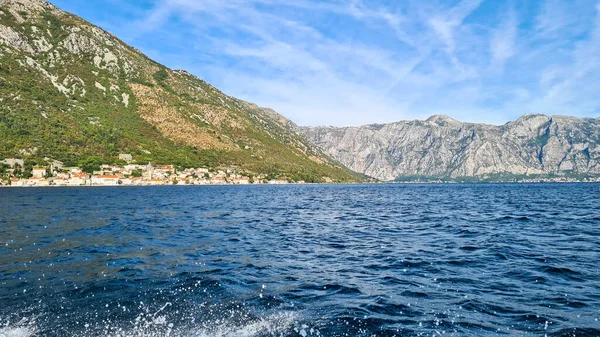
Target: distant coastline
56,175
16,173
285,183
530,180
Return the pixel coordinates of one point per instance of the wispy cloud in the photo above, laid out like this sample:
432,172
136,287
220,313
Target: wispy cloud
502,44
348,62
570,87
446,23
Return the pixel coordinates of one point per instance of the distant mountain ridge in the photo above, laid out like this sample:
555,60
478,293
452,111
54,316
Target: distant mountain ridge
441,147
70,91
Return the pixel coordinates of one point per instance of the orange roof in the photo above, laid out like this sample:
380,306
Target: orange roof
109,177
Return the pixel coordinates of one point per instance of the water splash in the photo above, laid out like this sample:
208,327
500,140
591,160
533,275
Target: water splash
16,332
22,329
279,324
274,325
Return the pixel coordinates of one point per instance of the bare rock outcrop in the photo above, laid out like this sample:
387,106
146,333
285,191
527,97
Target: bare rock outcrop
442,147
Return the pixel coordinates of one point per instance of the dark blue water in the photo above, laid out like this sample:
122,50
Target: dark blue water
375,260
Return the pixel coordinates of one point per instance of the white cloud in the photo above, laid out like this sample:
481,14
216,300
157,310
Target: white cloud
446,24
348,62
552,18
502,44
570,88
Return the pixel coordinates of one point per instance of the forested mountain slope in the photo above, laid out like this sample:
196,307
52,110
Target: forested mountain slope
71,91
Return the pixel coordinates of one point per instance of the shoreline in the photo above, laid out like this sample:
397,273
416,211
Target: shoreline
315,184
106,175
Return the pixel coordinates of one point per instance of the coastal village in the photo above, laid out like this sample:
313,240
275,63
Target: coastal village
132,174
55,174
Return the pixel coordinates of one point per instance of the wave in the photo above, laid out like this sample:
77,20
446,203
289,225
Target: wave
16,332
21,329
274,325
278,324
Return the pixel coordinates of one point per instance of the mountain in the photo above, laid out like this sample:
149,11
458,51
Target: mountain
444,148
73,92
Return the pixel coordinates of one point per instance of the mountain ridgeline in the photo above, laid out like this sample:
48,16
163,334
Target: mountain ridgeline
443,148
70,91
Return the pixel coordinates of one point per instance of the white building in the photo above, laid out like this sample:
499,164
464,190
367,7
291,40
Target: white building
80,179
107,180
39,172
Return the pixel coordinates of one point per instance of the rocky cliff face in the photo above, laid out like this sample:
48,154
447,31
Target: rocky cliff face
442,147
70,90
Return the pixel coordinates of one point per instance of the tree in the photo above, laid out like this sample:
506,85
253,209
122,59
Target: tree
28,169
90,164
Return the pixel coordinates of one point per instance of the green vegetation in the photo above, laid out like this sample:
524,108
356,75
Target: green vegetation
161,76
3,170
90,164
142,82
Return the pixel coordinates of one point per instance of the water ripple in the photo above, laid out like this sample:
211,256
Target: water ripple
364,260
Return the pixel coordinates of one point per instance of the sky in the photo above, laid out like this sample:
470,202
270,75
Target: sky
355,62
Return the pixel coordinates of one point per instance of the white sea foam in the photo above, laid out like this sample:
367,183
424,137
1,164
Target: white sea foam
16,332
273,325
233,323
23,328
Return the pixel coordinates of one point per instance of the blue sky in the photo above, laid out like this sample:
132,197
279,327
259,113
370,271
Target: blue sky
353,62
